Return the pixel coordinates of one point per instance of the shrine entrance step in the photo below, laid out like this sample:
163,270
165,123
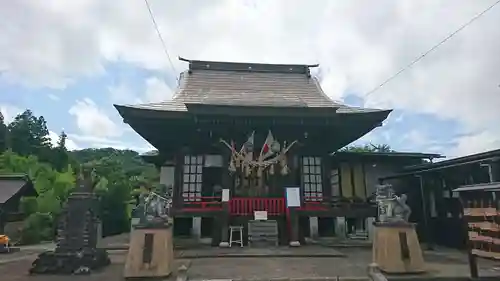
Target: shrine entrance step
246,252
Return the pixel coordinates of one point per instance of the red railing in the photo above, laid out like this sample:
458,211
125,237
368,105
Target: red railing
244,206
205,203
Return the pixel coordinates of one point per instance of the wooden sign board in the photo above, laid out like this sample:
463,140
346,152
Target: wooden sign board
260,215
482,217
225,195
293,197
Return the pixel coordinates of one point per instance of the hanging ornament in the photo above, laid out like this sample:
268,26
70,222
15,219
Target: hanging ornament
248,169
232,167
259,171
275,147
284,164
284,170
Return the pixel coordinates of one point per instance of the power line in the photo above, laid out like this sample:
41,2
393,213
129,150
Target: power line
431,50
160,36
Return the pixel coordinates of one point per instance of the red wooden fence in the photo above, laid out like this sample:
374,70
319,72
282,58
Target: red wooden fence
246,206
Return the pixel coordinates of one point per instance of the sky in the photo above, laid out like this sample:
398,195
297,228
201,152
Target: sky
70,61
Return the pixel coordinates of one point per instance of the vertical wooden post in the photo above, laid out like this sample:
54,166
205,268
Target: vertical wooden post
471,258
495,171
3,220
226,184
428,234
177,200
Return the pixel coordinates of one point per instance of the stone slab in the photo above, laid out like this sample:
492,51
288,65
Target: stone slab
246,252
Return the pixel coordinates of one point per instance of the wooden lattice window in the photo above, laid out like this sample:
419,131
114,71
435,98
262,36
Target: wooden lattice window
311,178
192,178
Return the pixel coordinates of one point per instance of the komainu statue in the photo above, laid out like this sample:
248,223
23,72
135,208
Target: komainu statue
401,211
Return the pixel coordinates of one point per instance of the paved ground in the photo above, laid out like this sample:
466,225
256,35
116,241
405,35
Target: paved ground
443,263
354,265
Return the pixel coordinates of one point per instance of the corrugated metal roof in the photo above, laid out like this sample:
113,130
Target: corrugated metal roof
389,154
235,86
494,186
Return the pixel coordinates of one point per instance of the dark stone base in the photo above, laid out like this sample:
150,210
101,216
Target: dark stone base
67,263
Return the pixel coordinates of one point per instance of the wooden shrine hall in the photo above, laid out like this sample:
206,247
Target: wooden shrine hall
249,131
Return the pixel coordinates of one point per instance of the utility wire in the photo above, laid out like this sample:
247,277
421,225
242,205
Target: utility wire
431,49
160,36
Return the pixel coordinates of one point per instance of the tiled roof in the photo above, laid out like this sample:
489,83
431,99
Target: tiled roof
10,185
222,83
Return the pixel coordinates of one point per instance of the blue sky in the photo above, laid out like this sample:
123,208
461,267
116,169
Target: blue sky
71,61
55,106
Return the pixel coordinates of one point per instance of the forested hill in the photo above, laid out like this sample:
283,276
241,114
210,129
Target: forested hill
129,160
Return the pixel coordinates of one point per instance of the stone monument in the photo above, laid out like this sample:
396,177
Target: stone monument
76,251
151,246
396,248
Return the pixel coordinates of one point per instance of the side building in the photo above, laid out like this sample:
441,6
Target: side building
13,187
435,207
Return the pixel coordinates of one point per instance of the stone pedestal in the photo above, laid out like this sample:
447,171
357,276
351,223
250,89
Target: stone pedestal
151,252
340,227
396,248
196,228
370,228
313,227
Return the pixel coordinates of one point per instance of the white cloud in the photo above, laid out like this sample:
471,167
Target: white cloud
54,97
101,142
9,112
123,94
474,143
157,90
93,121
54,139
358,44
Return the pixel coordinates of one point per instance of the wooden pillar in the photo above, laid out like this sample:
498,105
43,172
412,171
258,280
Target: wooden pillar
326,171
425,213
294,228
3,220
495,171
226,184
177,201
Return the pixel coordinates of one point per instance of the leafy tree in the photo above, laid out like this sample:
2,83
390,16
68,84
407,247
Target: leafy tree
61,143
3,134
29,134
60,156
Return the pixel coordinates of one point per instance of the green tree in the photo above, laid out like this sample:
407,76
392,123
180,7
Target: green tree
60,156
29,134
3,134
61,143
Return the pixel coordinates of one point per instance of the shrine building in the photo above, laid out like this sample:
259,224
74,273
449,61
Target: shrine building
235,136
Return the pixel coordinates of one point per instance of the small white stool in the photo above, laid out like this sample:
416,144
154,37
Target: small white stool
233,229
